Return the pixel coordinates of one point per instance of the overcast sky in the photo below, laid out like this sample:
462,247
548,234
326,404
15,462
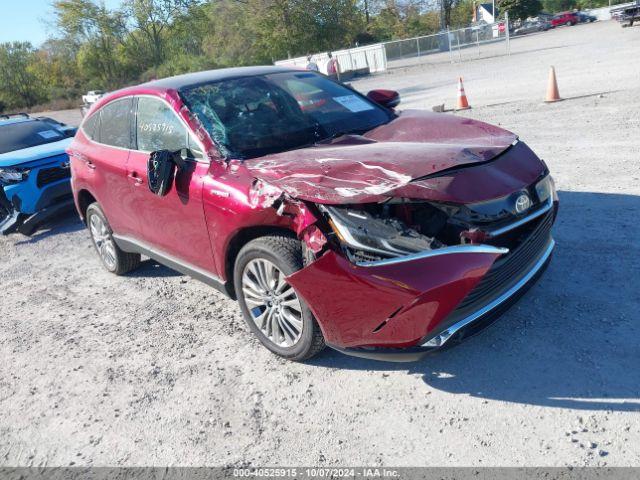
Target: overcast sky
26,20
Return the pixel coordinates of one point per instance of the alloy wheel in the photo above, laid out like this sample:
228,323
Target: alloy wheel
273,304
103,241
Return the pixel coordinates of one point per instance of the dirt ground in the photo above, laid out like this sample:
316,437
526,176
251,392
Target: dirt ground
158,369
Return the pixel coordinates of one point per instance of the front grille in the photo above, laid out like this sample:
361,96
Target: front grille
358,256
53,174
507,270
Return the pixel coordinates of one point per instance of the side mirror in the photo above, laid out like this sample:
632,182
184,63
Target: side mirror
161,168
386,98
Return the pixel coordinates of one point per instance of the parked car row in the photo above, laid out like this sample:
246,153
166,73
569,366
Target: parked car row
558,20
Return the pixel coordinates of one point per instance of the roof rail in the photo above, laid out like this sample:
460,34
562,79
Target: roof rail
6,116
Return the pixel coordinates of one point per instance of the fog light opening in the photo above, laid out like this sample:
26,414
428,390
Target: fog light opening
439,339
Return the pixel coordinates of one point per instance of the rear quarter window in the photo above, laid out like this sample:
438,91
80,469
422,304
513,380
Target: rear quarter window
90,126
115,123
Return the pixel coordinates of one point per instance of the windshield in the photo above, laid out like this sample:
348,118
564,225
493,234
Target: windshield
254,116
16,136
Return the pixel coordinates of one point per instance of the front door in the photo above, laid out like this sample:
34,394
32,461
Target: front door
173,224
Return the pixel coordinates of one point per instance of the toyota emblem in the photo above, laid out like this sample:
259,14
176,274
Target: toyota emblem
523,202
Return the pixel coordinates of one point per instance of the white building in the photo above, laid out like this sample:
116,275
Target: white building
485,13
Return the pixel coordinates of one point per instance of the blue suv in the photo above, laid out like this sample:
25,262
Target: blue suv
34,171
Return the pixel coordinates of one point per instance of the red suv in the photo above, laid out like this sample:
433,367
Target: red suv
565,18
330,217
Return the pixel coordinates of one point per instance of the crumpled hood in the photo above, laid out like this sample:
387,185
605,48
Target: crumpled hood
27,155
368,168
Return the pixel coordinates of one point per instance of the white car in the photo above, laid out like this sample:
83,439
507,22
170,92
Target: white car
92,96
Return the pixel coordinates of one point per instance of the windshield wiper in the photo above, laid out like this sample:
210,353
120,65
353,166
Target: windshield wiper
342,133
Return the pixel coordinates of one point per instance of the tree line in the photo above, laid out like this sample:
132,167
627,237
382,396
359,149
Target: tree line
93,47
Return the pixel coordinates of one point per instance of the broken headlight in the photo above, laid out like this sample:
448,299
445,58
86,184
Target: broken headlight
366,234
545,189
11,175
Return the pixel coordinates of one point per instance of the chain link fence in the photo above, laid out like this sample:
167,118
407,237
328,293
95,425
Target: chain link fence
449,46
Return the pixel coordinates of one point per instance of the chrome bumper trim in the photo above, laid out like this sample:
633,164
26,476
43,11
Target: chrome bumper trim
522,221
442,337
435,253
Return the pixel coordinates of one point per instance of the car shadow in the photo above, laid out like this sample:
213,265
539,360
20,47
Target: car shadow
151,269
574,340
67,222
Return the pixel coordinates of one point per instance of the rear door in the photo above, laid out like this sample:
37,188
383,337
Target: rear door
173,224
104,161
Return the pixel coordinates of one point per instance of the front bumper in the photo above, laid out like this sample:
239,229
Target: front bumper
463,328
403,309
47,184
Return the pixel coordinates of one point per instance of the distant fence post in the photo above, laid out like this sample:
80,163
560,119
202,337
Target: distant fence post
506,29
384,56
449,42
418,45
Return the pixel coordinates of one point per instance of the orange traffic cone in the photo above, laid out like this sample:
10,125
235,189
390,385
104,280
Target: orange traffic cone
552,88
463,104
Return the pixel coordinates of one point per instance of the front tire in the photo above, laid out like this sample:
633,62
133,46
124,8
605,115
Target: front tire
274,312
113,258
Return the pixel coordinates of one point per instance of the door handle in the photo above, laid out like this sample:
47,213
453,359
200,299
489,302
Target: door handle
77,155
136,179
84,158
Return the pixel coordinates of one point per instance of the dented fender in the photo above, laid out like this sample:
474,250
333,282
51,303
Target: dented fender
234,202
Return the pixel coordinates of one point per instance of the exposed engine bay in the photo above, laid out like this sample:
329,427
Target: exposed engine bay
400,226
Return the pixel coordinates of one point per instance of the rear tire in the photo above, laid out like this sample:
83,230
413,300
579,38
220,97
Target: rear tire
113,258
272,309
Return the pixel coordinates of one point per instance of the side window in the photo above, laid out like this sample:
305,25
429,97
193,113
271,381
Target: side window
90,126
115,123
158,127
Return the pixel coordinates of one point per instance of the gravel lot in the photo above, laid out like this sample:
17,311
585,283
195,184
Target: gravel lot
157,369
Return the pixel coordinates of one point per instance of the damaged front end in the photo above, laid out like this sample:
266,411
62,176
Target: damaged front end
396,267
399,278
400,227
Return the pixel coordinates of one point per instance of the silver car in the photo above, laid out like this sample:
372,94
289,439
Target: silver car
531,26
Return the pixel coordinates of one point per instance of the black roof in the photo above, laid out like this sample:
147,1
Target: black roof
191,79
488,7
